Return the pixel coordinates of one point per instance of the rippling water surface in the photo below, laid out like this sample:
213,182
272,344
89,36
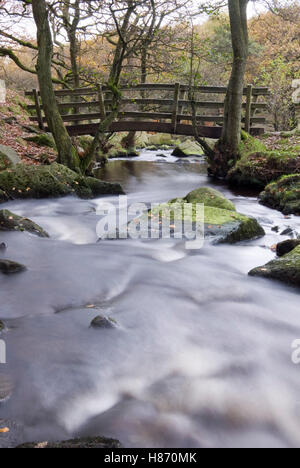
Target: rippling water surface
202,354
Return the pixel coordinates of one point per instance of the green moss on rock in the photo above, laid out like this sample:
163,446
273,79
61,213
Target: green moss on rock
283,195
51,181
44,139
8,157
221,225
285,269
258,165
188,148
210,197
11,222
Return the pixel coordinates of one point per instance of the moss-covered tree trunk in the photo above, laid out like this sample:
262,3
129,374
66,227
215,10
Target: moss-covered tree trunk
228,146
67,154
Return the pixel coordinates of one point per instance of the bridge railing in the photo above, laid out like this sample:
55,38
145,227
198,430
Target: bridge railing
152,107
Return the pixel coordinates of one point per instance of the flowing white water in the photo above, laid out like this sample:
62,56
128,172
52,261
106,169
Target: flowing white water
202,354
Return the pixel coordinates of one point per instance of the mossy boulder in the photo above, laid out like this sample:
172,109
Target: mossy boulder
285,269
188,148
87,442
160,139
51,181
286,246
283,195
258,165
8,157
43,139
210,197
222,223
12,222
7,267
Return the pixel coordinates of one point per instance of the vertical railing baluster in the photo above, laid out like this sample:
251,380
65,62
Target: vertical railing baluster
175,107
38,109
248,109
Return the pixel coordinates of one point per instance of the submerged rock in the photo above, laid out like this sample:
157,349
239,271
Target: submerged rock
7,267
87,442
103,322
12,222
3,247
285,269
287,246
188,148
283,195
8,157
51,181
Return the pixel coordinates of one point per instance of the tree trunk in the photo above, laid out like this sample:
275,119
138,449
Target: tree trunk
228,146
66,152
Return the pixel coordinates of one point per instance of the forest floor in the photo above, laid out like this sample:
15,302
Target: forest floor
14,119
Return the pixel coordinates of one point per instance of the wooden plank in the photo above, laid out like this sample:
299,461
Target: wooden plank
162,102
158,127
38,109
259,91
175,106
147,115
248,108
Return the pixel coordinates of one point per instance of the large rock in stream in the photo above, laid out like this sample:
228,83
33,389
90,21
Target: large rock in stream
11,222
8,267
51,181
285,269
222,223
283,195
188,148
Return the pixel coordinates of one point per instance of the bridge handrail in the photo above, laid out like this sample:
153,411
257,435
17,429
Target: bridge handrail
256,91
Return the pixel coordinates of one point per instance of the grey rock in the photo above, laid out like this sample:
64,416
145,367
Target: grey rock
287,232
102,322
11,222
88,442
287,246
7,267
8,157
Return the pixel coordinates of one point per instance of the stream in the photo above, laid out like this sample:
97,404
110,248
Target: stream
201,356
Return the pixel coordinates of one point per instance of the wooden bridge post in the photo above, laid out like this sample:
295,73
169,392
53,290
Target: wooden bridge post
38,109
248,109
101,102
175,107
183,97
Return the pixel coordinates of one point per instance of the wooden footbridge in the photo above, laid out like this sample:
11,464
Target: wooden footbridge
158,108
